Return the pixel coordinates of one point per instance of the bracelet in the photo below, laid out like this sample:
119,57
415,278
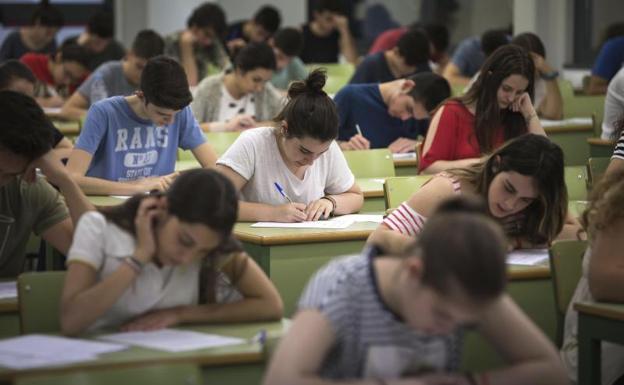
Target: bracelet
134,263
333,202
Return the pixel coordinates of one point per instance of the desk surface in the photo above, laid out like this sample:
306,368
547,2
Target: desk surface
105,200
8,305
248,353
520,272
67,127
371,187
601,142
281,236
605,310
568,125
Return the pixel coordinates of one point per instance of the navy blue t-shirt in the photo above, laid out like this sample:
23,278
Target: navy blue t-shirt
374,69
362,104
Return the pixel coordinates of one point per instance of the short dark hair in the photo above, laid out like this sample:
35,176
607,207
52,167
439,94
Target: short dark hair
148,44
413,46
531,42
255,55
492,39
289,40
164,83
14,69
48,16
461,245
309,111
71,51
24,128
430,89
101,24
269,18
334,6
208,15
438,34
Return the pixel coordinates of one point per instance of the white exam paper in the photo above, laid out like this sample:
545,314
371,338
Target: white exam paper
8,289
528,257
172,340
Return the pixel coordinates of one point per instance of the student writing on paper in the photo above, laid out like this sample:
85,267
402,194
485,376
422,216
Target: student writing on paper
119,77
399,318
524,187
300,154
391,114
162,260
496,108
130,144
242,96
28,203
603,273
16,76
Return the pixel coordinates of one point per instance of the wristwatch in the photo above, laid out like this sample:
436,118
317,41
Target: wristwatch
550,75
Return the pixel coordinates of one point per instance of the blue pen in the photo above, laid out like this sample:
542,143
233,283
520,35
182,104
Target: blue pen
281,191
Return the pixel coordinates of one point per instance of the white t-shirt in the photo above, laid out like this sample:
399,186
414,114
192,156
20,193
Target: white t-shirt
103,245
231,107
256,157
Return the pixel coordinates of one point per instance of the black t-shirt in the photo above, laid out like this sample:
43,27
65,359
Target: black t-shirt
318,49
374,69
14,48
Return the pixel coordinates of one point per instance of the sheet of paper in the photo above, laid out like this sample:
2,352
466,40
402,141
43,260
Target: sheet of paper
528,257
378,180
566,122
36,350
334,223
377,218
172,340
8,289
124,197
405,155
52,110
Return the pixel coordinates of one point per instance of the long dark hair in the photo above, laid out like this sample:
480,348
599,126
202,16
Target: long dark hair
505,61
538,157
196,196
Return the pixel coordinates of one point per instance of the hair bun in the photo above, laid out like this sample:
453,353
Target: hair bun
313,84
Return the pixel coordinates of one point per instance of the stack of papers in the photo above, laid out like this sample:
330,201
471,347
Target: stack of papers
172,340
404,156
528,257
8,289
341,222
35,350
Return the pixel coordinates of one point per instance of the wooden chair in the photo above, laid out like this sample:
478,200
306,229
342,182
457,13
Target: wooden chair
39,299
164,374
566,259
576,182
399,189
375,163
596,167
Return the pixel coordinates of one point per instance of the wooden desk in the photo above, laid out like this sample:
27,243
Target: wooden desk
241,364
405,167
67,128
576,208
291,256
105,200
596,322
373,194
600,147
531,288
9,318
573,140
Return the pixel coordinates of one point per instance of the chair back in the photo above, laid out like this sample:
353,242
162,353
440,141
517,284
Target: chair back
39,301
566,259
398,189
596,168
376,163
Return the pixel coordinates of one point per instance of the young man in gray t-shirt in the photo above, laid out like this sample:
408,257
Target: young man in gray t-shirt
115,78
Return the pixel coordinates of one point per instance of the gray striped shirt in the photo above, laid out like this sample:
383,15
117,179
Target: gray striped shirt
371,341
618,152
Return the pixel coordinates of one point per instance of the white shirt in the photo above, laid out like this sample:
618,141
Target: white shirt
256,157
103,245
231,107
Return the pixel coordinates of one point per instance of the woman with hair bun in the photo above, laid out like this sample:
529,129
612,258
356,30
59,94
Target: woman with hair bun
294,171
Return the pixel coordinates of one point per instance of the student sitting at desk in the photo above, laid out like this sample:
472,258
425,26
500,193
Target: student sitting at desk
162,260
295,171
391,114
241,97
603,274
400,318
198,47
16,76
497,107
522,182
287,44
115,77
410,56
129,144
29,203
57,75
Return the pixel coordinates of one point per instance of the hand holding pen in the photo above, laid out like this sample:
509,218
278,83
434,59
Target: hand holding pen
358,141
290,212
